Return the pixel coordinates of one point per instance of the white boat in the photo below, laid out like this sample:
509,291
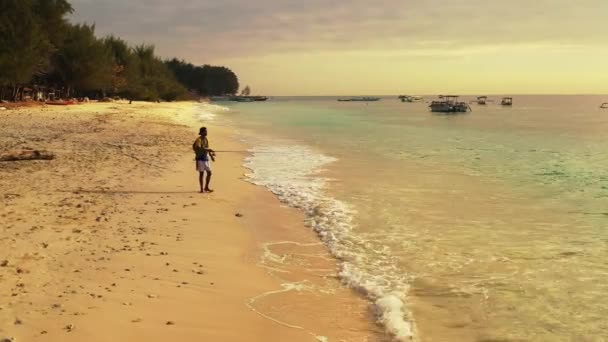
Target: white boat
449,104
604,105
360,99
410,98
482,100
507,101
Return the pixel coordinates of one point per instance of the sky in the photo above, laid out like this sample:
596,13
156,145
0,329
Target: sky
362,47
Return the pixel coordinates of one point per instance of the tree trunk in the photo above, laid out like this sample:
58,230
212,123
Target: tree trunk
15,93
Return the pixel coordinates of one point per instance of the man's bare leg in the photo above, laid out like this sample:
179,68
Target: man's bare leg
200,181
207,189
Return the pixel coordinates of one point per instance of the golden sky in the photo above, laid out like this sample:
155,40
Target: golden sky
377,48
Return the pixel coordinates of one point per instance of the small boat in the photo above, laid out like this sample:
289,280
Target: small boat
410,98
243,99
220,98
360,99
604,105
449,104
481,100
60,103
507,101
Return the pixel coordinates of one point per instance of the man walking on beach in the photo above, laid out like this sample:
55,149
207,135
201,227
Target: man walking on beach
203,154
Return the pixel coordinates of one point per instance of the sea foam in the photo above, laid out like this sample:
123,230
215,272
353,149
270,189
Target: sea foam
208,112
293,174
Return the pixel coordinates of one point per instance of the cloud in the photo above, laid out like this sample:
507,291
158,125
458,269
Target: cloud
200,30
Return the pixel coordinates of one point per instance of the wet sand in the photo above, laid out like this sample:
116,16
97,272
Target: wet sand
110,241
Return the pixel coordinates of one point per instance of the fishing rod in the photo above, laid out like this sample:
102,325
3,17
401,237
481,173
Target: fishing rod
236,151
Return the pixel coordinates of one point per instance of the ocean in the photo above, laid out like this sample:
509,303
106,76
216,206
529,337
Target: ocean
485,226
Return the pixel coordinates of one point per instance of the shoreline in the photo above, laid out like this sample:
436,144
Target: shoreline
120,248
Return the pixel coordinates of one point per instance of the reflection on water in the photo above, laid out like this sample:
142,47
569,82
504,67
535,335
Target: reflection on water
497,218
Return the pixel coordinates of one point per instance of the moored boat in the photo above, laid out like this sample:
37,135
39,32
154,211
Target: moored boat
481,100
60,103
449,104
410,98
604,105
220,98
360,99
507,101
243,99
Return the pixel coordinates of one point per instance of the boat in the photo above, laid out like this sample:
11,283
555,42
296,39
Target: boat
247,97
507,101
449,104
604,105
238,98
243,99
410,98
360,99
481,100
220,98
60,103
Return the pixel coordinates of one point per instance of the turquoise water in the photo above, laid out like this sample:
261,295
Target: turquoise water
486,226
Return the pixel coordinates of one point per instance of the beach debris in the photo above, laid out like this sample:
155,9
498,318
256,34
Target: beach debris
2,108
69,327
137,320
152,296
238,215
18,321
44,332
20,155
8,339
170,323
4,263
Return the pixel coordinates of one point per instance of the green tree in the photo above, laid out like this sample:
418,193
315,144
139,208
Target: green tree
206,80
24,47
124,66
51,16
83,63
155,80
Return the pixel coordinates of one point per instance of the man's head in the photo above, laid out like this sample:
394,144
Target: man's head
203,132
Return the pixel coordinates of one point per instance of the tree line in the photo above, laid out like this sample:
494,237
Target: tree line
42,53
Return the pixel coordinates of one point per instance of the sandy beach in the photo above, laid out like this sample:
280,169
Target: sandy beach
110,241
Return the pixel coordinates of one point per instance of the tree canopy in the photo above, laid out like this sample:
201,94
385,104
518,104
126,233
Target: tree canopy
206,80
38,46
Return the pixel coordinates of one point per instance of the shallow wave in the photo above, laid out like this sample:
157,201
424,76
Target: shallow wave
292,173
208,112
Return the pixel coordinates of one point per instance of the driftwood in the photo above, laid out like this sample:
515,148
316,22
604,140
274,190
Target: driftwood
18,155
